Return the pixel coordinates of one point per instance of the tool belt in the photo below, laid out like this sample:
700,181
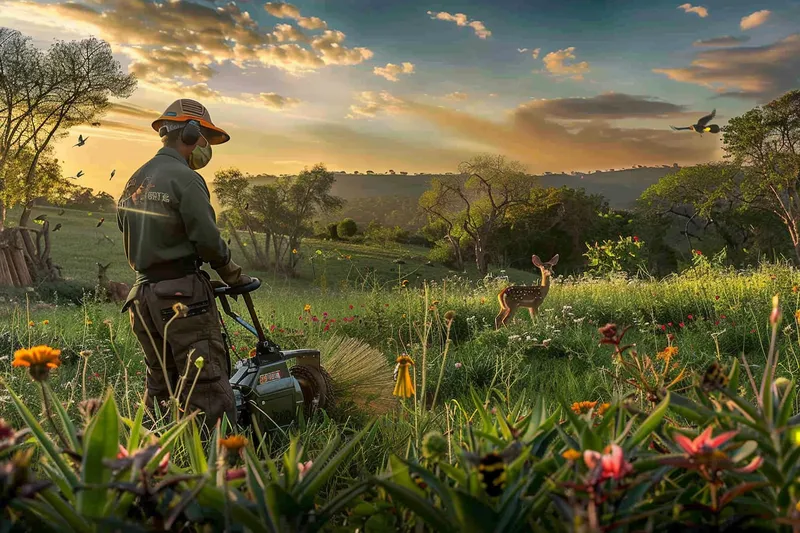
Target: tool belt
169,270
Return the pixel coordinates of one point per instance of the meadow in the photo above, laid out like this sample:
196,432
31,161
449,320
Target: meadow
523,384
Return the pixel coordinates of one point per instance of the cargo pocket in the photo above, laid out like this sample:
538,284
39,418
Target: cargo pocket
206,348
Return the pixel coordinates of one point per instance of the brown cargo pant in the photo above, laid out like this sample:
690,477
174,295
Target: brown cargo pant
200,331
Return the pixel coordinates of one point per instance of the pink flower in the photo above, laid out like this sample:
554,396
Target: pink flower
612,465
458,365
680,324
303,468
236,473
162,465
703,443
690,317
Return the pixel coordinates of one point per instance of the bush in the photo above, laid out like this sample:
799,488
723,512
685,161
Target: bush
625,255
333,231
347,227
383,235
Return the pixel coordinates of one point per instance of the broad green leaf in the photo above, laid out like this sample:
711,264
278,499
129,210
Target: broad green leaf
338,503
690,410
194,447
473,515
456,474
44,441
400,474
744,451
733,375
68,513
101,443
282,507
650,423
787,405
66,421
136,428
434,517
215,498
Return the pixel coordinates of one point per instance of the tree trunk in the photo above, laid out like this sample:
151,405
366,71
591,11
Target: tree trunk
267,239
456,251
2,215
481,257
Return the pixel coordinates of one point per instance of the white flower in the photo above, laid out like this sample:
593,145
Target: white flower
546,342
579,320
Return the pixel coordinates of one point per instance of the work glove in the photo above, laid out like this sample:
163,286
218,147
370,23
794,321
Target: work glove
232,274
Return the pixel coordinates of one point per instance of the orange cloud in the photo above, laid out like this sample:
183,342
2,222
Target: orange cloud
556,64
392,71
754,19
462,20
698,10
725,40
283,10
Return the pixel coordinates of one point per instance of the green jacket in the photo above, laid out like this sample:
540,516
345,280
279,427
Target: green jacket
167,221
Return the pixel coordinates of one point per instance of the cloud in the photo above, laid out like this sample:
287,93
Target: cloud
276,101
754,19
536,53
133,111
725,40
699,10
288,11
180,46
492,95
555,64
755,72
457,95
533,134
608,106
392,71
461,20
370,104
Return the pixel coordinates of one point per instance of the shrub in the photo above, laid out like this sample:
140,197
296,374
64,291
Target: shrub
625,255
347,227
333,231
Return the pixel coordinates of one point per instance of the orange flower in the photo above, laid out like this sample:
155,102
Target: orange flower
45,322
307,308
797,314
234,443
571,455
30,323
580,408
39,359
602,409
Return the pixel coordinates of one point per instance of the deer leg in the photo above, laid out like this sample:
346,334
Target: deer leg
500,318
532,312
509,314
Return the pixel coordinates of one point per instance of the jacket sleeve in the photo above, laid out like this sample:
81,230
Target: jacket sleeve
200,223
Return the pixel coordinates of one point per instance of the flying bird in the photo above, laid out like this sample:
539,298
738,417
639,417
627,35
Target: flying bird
95,124
78,175
702,125
58,227
81,141
112,174
100,223
61,212
41,218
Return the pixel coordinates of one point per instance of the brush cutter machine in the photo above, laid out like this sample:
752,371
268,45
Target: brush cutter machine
266,390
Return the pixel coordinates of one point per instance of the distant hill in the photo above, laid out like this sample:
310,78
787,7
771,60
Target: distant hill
621,187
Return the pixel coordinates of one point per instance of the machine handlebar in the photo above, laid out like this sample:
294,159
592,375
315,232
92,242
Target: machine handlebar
227,290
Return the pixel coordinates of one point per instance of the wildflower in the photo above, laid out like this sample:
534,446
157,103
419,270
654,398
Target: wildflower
404,315
434,445
571,455
39,360
294,251
45,322
611,464
199,363
609,332
580,408
663,327
88,322
31,323
449,316
690,317
144,456
546,342
667,353
404,283
483,300
404,387
233,444
635,238
303,468
235,473
794,288
458,365
698,252
704,453
351,306
716,297
680,324
307,308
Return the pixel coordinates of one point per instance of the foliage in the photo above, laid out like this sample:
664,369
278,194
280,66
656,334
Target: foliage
625,255
347,227
384,236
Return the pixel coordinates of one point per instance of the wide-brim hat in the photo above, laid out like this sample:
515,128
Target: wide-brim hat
184,110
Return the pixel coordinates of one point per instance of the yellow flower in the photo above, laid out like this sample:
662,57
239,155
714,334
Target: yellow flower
404,315
234,443
85,353
794,288
797,314
39,360
603,408
88,322
307,308
571,455
30,324
294,250
45,322
404,387
580,408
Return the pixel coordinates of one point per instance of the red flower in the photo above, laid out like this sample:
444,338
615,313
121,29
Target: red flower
716,297
671,337
663,327
680,324
612,465
635,238
669,324
716,322
703,443
690,317
698,252
351,306
722,317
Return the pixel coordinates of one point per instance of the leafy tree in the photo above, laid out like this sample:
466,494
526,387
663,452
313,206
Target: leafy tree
441,208
765,144
48,187
347,227
233,192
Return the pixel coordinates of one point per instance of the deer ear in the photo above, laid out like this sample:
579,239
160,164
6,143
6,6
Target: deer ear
536,261
554,260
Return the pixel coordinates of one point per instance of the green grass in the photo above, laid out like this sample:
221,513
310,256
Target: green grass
696,307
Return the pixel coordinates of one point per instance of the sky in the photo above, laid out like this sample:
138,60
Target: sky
420,86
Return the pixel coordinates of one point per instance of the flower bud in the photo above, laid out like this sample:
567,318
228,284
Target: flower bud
775,316
434,445
200,363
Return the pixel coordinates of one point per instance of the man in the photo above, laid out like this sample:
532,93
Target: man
169,229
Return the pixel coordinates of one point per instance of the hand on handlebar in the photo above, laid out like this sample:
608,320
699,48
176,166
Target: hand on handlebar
232,275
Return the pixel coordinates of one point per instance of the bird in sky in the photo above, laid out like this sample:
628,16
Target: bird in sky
100,223
702,125
78,175
112,174
58,227
81,141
